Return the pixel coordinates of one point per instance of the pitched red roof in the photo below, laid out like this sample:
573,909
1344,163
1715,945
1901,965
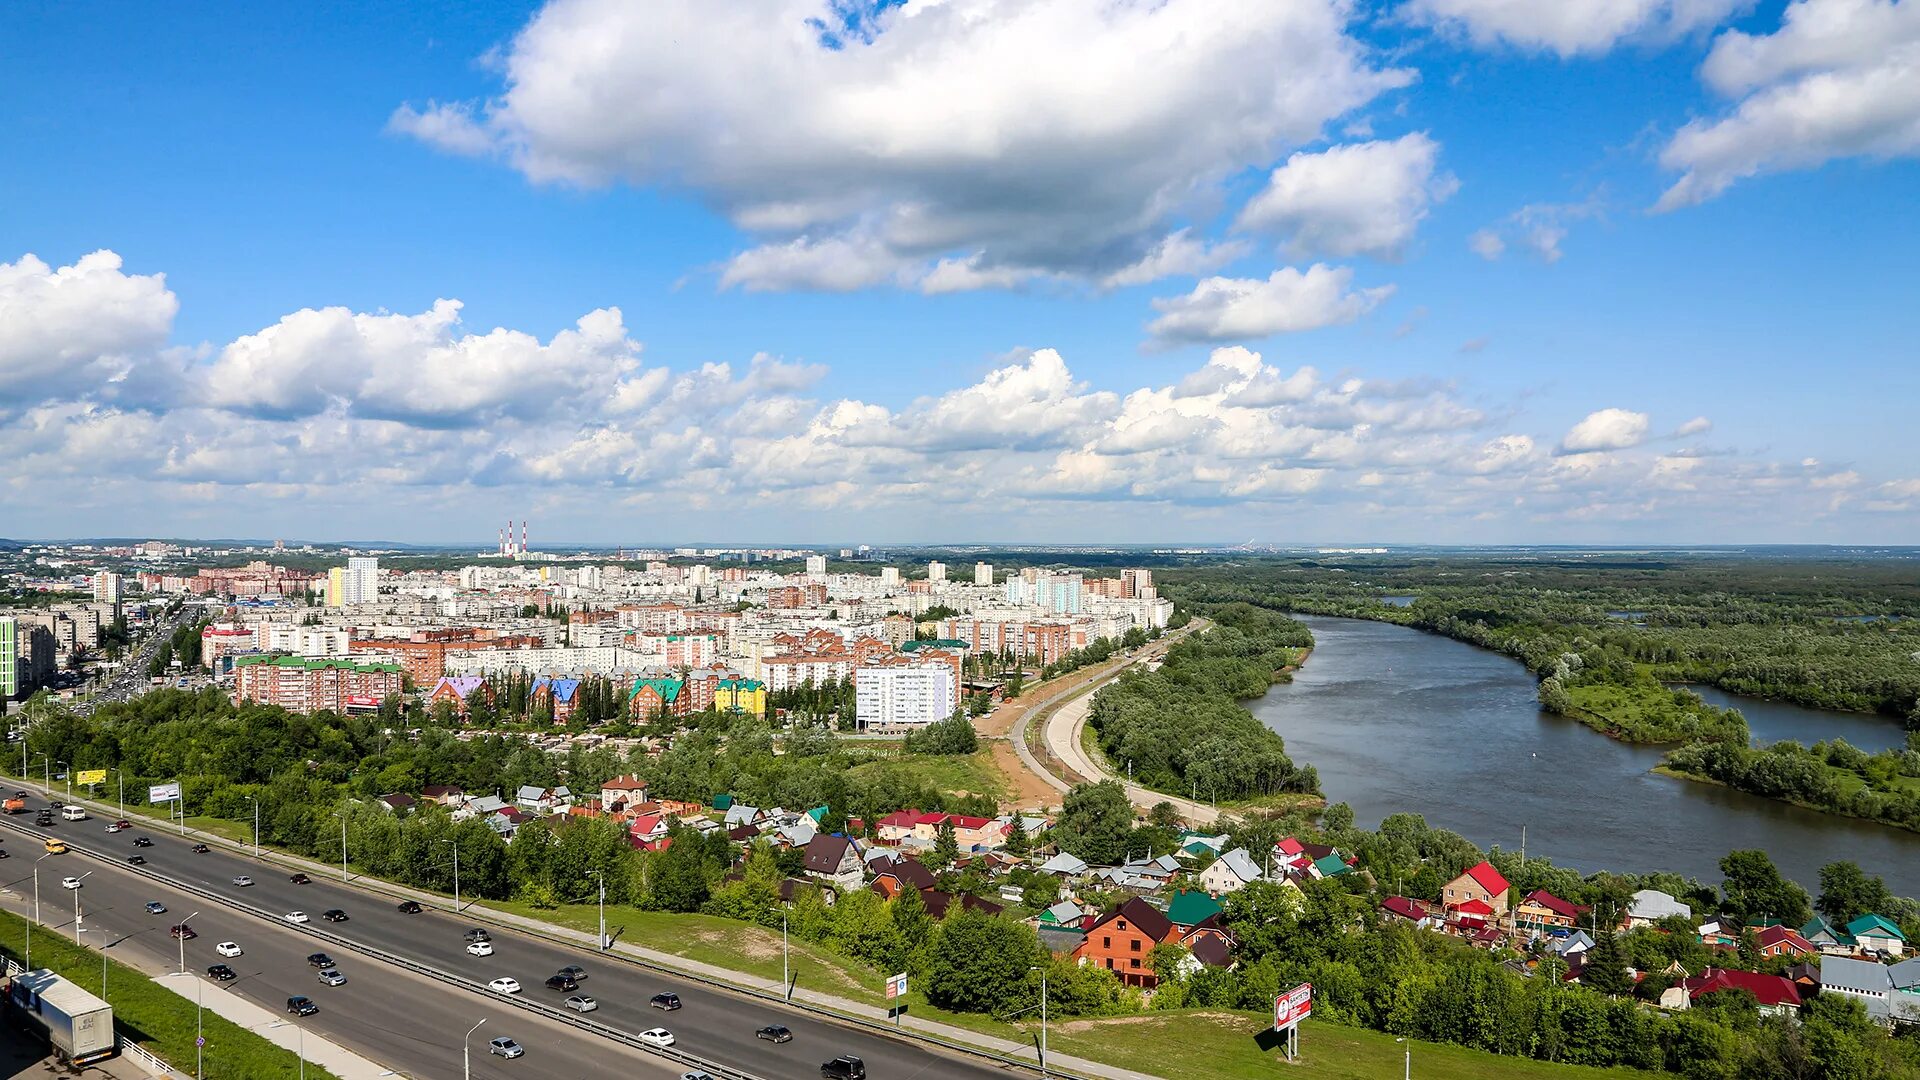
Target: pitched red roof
901,819
1479,908
1488,878
1777,934
1403,907
1564,908
1769,989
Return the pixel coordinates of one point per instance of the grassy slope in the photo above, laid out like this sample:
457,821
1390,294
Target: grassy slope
155,1017
956,773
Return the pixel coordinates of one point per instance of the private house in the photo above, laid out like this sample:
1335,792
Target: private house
1877,934
1065,915
1123,939
454,690
1776,994
834,860
1715,934
622,793
1327,866
560,696
739,814
1413,911
1649,906
534,799
1777,940
1231,872
1064,866
1189,908
892,876
1873,984
1829,941
1571,947
1542,910
647,830
1199,845
1482,883
447,795
1141,875
398,803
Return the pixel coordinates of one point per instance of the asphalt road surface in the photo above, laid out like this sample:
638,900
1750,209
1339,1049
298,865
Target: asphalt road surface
713,1024
385,1013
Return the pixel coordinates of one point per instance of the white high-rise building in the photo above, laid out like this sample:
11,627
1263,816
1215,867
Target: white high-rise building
890,696
889,577
1056,594
983,573
106,587
936,572
361,583
816,566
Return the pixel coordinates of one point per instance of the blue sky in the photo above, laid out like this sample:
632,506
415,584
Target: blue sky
940,245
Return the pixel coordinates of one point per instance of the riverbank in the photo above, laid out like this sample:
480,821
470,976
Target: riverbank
1396,721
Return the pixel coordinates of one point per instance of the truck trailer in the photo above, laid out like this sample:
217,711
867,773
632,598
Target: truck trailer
78,1025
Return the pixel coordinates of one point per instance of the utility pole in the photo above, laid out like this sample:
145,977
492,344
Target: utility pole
600,943
182,937
466,1063
76,908
256,825
456,875
786,976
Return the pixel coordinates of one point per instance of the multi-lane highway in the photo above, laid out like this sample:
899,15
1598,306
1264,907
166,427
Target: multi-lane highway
385,1013
716,1025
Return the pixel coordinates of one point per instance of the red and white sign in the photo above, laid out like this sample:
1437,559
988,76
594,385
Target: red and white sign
365,701
1292,1007
897,986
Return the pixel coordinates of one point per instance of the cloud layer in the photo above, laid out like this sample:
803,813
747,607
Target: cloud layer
1839,79
328,407
960,144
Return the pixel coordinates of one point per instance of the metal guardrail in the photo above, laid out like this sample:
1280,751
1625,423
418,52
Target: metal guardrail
481,914
674,1054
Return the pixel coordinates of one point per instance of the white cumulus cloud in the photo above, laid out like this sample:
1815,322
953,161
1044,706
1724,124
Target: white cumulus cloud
1571,27
75,328
1061,137
1357,199
1607,429
1244,309
1838,79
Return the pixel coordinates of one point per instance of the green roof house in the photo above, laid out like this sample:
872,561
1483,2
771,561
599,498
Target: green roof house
1190,907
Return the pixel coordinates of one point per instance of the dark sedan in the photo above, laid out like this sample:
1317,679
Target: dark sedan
221,972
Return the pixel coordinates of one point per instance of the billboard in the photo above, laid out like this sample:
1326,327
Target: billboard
159,793
897,986
91,776
1292,1007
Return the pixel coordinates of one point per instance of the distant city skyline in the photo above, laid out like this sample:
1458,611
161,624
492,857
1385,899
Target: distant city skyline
1598,272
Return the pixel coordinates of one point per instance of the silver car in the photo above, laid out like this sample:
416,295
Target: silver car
582,1003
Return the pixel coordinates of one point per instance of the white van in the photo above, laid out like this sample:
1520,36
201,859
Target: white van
72,813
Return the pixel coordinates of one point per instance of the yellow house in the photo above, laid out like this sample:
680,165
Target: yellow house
741,695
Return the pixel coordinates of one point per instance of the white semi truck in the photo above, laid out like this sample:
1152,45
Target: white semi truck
78,1025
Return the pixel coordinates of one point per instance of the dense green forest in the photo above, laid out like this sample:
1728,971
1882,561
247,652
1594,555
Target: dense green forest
1614,639
1182,729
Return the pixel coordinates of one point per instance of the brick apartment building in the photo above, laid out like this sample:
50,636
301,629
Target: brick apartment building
301,685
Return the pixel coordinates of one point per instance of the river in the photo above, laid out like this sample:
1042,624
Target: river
1399,720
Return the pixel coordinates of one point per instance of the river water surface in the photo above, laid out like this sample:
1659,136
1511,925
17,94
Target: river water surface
1397,719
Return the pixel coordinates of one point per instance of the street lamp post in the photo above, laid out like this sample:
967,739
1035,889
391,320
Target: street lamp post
456,874
1407,1062
599,943
199,1033
182,937
1043,1019
256,825
67,767
466,1062
76,906
36,909
786,976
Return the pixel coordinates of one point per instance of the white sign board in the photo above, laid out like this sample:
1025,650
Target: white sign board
1292,1007
897,986
160,793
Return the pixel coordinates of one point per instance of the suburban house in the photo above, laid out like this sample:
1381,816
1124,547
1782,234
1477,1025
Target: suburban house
1571,948
561,696
1877,934
1189,908
1776,994
1543,910
1822,936
1481,883
835,860
622,793
1718,935
891,876
454,690
1413,911
1065,915
398,803
1122,939
1064,865
1231,872
1777,940
534,799
1649,906
447,795
647,831
1874,985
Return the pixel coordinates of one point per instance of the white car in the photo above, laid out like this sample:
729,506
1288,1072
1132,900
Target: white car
657,1037
243,881
70,883
227,948
504,986
295,917
480,948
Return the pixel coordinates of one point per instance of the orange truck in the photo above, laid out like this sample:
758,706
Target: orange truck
15,805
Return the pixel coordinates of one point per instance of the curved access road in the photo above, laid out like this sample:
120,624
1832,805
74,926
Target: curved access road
1063,723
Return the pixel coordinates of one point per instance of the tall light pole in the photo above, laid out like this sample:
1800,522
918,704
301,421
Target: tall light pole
1043,1018
182,937
466,1062
121,778
67,767
1407,1062
76,906
256,825
36,909
342,815
199,1033
600,943
456,874
786,975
